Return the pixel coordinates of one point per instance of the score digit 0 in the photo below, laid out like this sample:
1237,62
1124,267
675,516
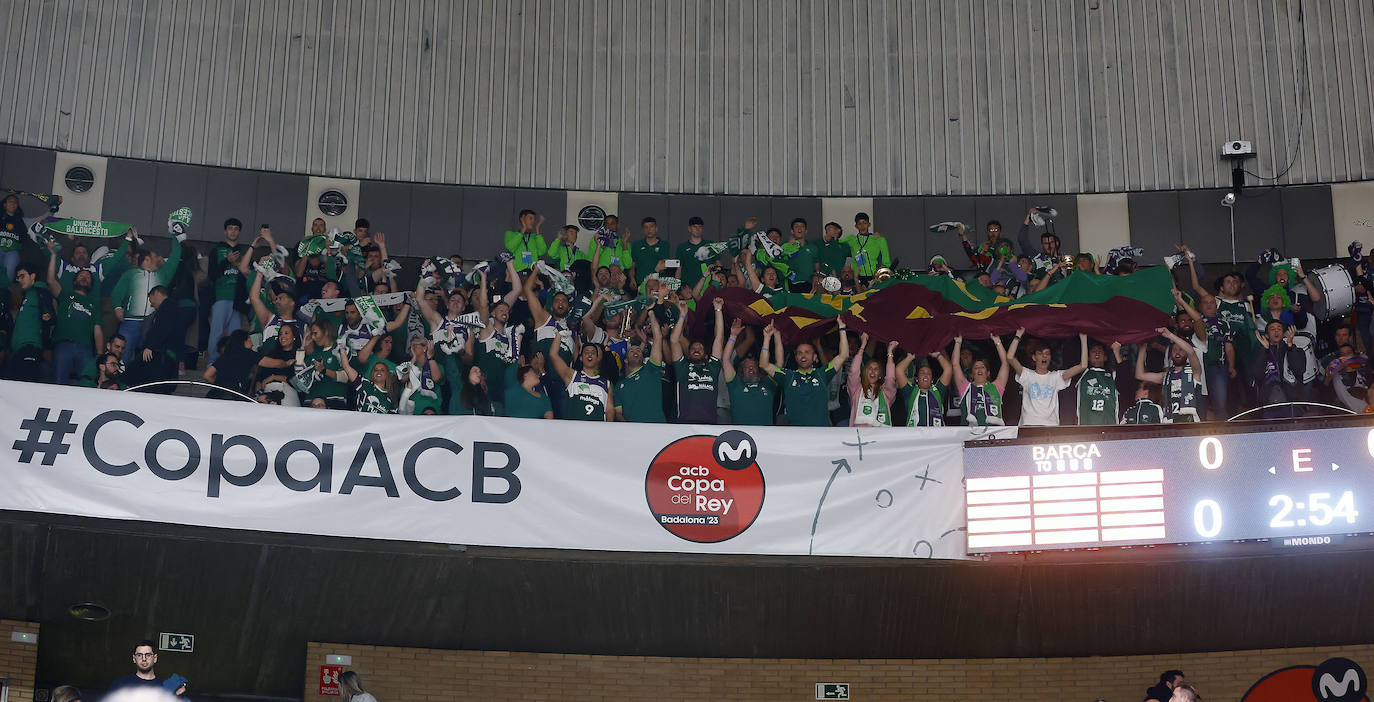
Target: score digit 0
1209,452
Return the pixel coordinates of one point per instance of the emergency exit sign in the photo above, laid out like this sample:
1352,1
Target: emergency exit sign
183,643
832,691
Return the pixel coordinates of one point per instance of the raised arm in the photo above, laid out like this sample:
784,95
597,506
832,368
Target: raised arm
400,319
765,362
1011,352
718,345
537,311
726,364
1192,271
840,357
958,370
1001,380
264,315
53,286
945,367
351,374
1199,326
675,342
1140,373
560,366
656,353
901,369
430,314
589,319
1313,291
1070,372
852,379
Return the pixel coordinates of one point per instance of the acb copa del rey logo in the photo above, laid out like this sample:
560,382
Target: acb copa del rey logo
706,488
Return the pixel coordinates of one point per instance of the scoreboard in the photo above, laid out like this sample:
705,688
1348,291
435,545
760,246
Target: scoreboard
1119,492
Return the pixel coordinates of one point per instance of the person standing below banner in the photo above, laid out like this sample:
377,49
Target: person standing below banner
1181,388
1040,386
980,396
1099,402
925,399
871,389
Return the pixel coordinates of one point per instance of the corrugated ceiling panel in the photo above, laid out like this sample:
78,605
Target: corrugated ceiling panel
794,97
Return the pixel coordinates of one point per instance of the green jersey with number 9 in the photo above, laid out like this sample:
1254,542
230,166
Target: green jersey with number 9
587,395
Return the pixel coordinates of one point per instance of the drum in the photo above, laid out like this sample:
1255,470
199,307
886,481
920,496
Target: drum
1338,292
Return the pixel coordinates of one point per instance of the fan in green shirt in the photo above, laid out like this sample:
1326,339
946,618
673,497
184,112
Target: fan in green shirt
525,397
564,250
806,389
330,389
832,252
639,393
527,245
802,256
925,399
692,267
616,253
751,392
868,248
647,252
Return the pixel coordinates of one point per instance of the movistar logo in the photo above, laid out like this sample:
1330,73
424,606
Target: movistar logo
743,449
1330,687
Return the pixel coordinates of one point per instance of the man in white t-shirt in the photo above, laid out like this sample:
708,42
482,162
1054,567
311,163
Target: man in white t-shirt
1039,386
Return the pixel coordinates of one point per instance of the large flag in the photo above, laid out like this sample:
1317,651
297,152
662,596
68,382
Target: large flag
925,312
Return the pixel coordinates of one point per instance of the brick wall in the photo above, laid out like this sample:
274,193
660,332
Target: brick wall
419,675
18,660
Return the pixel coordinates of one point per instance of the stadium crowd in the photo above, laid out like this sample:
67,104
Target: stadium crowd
551,328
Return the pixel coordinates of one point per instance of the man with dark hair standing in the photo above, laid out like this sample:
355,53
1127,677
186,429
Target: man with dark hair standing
646,253
145,660
803,255
158,340
698,370
229,283
1164,690
687,252
833,252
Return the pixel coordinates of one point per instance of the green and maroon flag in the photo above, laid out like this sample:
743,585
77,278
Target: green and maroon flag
925,312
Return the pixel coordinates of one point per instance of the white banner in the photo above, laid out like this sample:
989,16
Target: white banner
485,481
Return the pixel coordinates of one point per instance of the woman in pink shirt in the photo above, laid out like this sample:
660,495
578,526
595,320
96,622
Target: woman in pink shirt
871,391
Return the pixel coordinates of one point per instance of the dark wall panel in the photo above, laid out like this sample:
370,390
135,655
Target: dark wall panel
130,187
1065,224
436,217
229,193
786,209
1154,222
30,170
487,214
908,241
1206,226
180,186
281,204
683,207
634,207
1309,224
1009,210
386,206
735,209
1259,223
552,205
948,209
